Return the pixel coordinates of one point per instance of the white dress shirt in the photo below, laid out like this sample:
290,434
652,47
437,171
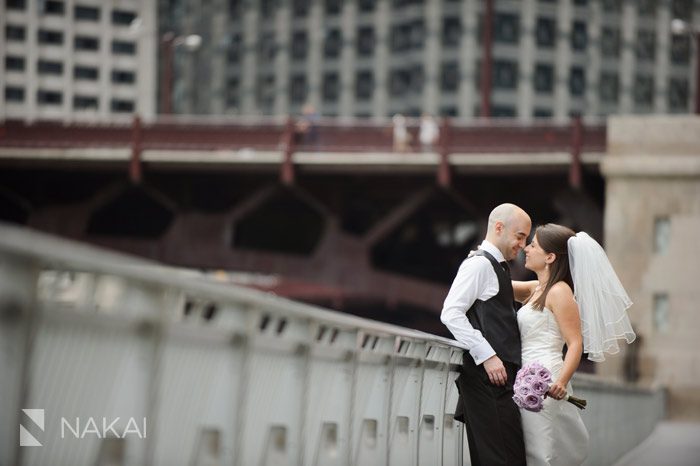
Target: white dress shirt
475,279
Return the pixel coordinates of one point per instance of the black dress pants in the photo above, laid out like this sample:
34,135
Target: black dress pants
492,419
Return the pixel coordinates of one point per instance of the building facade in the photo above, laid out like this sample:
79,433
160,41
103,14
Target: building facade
373,58
78,60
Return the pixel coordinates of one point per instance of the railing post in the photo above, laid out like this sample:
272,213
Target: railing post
135,173
576,143
444,175
287,173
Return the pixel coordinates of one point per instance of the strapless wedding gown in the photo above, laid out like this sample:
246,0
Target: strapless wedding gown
556,435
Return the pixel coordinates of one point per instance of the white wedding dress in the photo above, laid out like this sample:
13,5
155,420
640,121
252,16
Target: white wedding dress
556,435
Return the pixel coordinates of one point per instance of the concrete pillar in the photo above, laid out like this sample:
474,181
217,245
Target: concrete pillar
348,27
380,104
250,66
526,61
593,56
628,59
467,96
562,62
432,57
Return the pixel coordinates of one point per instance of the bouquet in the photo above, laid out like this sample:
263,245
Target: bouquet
531,387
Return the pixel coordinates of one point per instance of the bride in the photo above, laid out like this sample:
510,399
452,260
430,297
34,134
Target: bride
576,300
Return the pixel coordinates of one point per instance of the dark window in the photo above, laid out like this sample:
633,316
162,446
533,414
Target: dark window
297,87
449,111
267,48
680,49
400,37
399,82
365,41
682,9
502,111
81,102
49,97
123,48
14,94
265,91
366,6
331,87
647,7
300,8
609,87
364,85
235,8
85,73
577,81
53,7
300,45
612,5
122,106
546,32
544,78
235,48
86,43
123,77
15,33
646,45
16,4
50,37
610,42
417,34
579,36
449,79
417,77
123,18
333,44
13,63
678,94
87,13
451,31
505,74
644,91
542,113
267,8
333,7
232,90
49,67
580,2
506,28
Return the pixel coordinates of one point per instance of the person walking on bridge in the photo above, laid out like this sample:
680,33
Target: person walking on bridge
479,311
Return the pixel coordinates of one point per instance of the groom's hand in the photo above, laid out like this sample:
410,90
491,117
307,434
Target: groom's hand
495,370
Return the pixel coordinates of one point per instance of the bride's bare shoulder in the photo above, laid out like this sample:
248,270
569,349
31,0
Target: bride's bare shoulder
560,296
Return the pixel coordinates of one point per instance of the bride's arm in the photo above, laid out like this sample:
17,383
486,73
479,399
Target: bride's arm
523,290
560,300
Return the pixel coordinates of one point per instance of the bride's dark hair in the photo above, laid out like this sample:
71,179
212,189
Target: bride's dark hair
554,239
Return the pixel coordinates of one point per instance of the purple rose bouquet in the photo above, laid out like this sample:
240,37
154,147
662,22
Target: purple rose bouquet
531,387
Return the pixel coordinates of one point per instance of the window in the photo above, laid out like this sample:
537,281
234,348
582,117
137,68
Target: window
610,42
366,6
232,99
505,74
542,113
267,48
86,13
661,311
609,87
577,81
417,34
333,7
365,41
235,8
300,8
235,48
297,87
14,94
123,77
333,44
506,28
122,106
123,48
400,37
53,7
449,79
612,6
662,234
399,82
451,31
545,32
678,95
123,18
16,4
49,97
86,73
331,87
644,91
49,67
682,9
449,111
300,45
50,37
265,91
646,7
680,49
544,78
502,111
87,43
15,33
81,102
364,85
646,45
267,8
579,36
13,63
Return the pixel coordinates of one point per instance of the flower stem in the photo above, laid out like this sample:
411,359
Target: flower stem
580,403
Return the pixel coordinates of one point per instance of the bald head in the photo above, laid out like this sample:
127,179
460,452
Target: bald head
509,227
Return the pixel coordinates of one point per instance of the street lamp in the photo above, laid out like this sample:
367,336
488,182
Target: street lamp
680,28
169,43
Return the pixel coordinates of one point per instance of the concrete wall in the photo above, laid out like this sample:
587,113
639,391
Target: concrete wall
652,172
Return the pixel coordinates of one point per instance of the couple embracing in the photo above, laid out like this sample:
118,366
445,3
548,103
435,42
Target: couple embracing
576,300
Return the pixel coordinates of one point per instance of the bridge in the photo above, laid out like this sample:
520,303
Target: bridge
340,221
110,359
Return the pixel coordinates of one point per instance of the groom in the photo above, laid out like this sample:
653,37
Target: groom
480,314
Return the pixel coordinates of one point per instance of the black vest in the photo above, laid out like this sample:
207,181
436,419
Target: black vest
495,318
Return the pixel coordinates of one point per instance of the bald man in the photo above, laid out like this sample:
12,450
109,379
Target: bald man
479,312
